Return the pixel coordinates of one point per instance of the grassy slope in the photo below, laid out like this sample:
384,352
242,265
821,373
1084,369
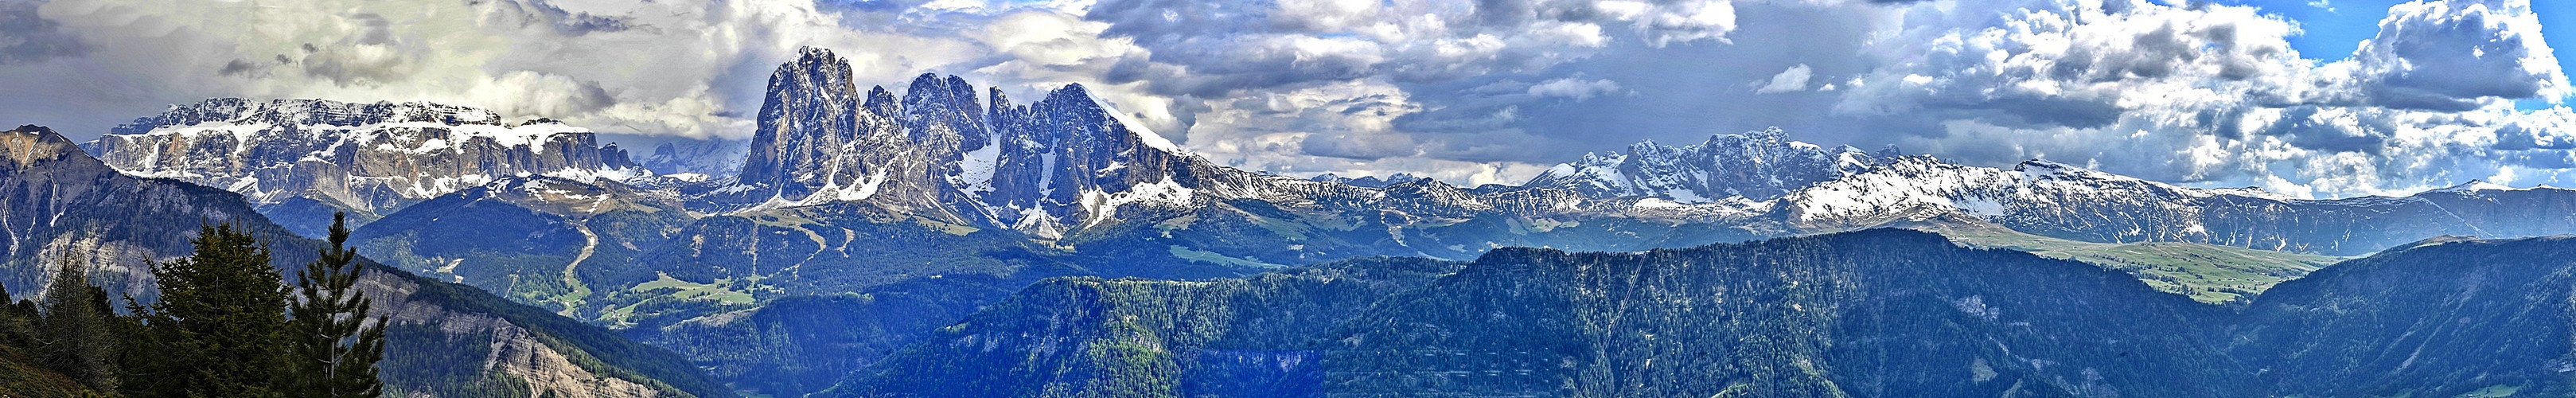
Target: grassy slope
2207,273
20,376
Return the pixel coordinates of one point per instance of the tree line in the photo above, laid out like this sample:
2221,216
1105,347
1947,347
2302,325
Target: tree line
226,325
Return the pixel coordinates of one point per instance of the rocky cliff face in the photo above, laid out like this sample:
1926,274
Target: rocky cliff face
506,348
299,158
1047,168
61,203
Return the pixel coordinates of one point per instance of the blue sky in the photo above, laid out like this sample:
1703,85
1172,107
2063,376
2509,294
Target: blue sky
1467,91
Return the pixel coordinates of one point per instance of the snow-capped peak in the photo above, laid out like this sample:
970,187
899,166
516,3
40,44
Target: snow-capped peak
1143,134
1758,165
366,157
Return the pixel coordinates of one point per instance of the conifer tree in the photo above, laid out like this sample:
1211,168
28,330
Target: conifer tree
74,336
336,349
220,325
17,322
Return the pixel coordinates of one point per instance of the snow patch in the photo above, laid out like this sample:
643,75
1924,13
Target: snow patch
1166,192
689,177
975,172
865,189
1982,207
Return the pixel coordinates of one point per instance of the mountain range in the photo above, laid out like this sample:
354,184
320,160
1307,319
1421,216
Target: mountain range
65,204
1067,170
302,160
858,222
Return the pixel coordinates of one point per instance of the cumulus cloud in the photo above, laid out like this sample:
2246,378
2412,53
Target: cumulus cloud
2447,55
2212,94
1662,23
1574,87
1351,120
1214,48
1793,79
2080,64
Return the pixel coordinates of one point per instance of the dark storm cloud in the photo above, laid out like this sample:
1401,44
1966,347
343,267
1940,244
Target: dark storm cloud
27,37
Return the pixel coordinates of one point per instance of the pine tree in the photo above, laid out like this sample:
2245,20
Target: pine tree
18,323
75,338
220,323
336,350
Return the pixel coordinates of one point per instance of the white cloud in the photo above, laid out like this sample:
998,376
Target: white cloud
1663,23
1793,79
2449,55
2212,94
1574,87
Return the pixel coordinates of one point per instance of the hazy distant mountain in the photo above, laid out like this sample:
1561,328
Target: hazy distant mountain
1366,181
2058,200
1758,165
696,159
299,160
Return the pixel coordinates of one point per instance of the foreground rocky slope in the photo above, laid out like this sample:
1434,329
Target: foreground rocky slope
1871,313
447,339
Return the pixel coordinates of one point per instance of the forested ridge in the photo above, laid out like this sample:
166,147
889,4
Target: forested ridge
1870,313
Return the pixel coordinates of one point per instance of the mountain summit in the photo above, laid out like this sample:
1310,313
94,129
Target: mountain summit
1757,165
300,160
943,152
